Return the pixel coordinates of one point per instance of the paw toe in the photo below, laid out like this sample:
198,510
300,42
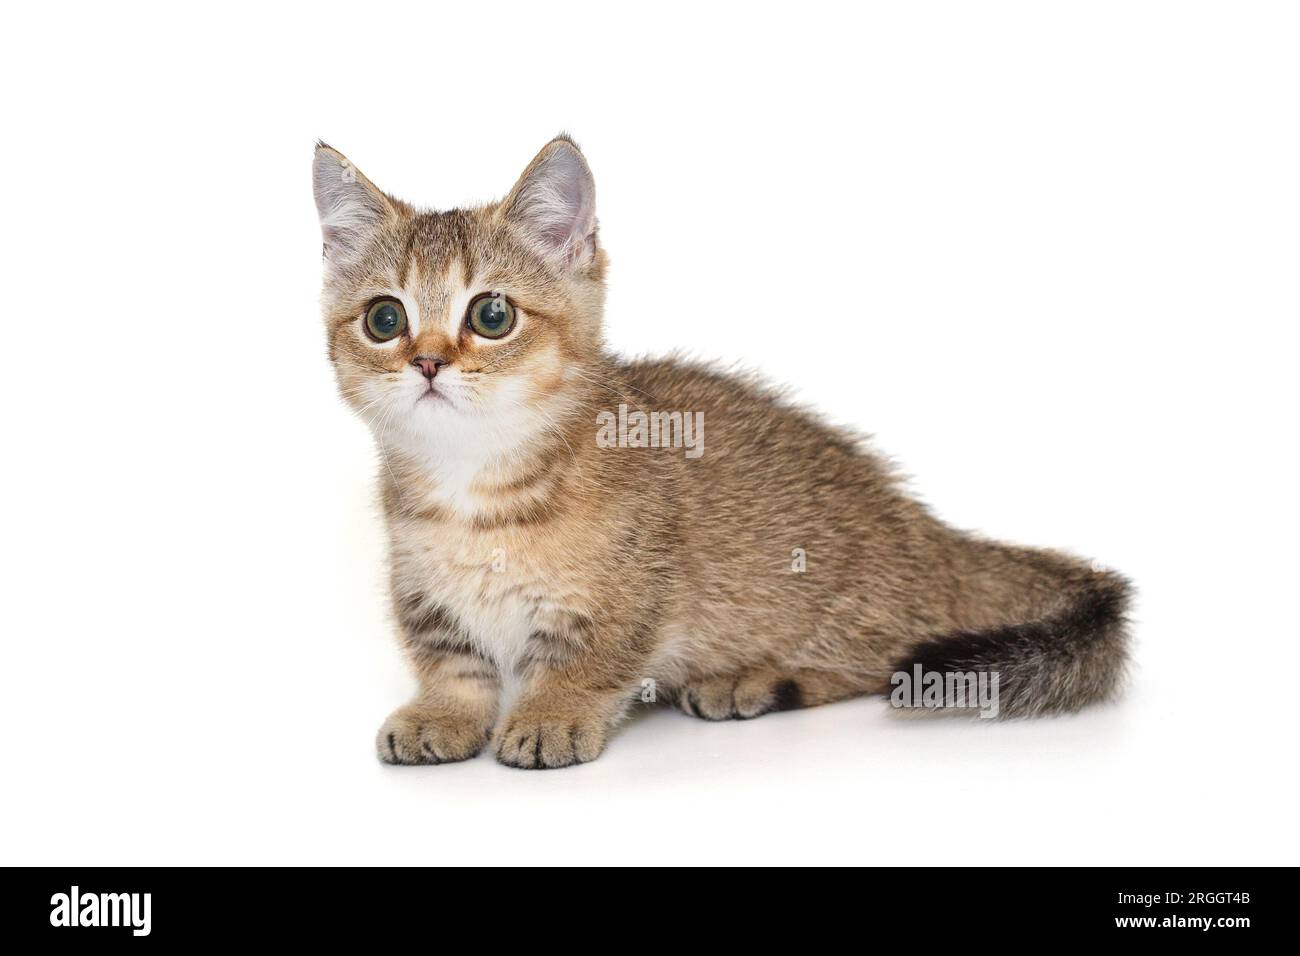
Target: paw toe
712,699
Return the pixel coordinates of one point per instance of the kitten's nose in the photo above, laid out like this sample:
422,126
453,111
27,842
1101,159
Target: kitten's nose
428,365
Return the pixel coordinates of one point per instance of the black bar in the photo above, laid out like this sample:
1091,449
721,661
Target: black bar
930,906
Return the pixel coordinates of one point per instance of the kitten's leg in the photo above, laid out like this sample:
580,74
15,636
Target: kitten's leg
451,717
764,690
579,682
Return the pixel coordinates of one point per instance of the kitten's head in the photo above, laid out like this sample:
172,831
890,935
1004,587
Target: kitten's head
466,325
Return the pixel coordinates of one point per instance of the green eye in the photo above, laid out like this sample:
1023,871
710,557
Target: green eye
385,319
491,315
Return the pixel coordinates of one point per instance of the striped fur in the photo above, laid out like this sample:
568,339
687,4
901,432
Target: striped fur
542,582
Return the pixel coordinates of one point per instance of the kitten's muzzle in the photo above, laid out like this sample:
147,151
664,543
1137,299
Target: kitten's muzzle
429,365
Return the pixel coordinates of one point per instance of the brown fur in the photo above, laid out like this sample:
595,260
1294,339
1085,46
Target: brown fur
627,564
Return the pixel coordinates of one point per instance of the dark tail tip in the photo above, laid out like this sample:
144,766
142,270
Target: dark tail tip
1070,658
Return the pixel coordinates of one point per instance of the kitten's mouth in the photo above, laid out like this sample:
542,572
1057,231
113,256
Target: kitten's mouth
432,394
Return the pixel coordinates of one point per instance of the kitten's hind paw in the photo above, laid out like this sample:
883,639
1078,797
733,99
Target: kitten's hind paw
739,696
417,734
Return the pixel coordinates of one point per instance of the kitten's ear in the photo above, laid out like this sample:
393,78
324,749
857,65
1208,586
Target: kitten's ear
351,207
554,204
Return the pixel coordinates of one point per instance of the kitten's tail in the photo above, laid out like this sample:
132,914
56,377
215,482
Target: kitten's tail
1062,642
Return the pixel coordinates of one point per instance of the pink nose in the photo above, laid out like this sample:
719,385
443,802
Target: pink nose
428,365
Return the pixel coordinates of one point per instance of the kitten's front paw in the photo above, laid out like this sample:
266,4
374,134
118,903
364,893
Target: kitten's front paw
417,734
540,740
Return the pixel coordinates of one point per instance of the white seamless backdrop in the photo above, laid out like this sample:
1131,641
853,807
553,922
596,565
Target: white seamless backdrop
1044,253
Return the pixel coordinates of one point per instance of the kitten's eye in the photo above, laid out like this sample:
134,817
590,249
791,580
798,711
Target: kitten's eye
385,319
491,315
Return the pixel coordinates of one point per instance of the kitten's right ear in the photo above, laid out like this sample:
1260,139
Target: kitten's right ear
351,207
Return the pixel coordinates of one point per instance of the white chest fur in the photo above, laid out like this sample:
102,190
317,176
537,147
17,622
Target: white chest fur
472,577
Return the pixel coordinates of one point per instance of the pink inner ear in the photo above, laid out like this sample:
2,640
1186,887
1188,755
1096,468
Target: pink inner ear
556,204
349,207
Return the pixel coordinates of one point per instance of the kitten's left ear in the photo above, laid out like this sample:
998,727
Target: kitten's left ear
351,207
554,204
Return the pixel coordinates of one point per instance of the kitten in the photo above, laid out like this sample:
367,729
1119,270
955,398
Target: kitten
554,559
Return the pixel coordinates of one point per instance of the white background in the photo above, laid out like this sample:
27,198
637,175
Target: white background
1045,253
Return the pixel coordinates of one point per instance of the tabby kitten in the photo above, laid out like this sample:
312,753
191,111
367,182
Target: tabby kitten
543,578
